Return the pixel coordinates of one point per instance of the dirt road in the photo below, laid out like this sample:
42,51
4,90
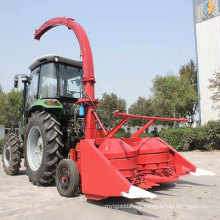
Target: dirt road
191,198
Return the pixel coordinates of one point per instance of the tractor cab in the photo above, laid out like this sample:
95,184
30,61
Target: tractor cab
54,86
54,77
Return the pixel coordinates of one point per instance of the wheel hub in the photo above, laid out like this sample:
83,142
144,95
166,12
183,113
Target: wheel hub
39,149
35,148
64,178
7,154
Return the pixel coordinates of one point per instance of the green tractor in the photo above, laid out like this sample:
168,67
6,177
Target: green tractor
52,121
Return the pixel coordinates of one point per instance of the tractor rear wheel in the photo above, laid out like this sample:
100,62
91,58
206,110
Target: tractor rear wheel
43,147
11,154
67,178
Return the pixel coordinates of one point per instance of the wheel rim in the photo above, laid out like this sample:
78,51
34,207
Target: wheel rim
7,154
64,178
35,148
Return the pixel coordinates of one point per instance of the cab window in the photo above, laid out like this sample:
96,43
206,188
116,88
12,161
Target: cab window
48,81
32,87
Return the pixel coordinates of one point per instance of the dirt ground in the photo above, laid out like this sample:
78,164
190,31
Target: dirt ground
191,198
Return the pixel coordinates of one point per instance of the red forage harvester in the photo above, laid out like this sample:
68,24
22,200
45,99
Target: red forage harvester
110,166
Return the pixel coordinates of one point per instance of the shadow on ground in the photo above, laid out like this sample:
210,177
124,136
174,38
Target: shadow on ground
122,204
193,183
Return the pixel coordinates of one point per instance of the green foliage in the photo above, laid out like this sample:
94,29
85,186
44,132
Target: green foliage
188,74
122,133
1,145
213,134
3,101
173,96
166,95
188,99
204,138
152,134
107,105
189,71
1,89
142,106
174,136
14,102
9,108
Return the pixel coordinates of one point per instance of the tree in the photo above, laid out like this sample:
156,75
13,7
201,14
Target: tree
1,91
190,98
107,105
142,106
215,87
3,101
13,114
189,71
174,97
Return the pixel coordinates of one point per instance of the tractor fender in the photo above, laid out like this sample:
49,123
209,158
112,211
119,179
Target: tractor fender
52,106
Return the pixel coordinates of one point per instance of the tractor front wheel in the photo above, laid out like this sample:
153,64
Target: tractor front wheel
11,154
43,147
67,178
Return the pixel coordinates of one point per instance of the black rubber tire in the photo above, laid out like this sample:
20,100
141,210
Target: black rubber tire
15,154
53,148
74,178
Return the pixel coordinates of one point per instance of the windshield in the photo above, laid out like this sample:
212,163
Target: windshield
48,81
70,81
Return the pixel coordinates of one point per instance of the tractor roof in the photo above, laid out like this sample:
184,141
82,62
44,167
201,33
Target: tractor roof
51,57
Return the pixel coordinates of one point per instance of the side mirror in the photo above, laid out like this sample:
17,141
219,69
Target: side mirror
25,79
16,82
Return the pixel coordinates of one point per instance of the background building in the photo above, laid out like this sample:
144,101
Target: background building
207,31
